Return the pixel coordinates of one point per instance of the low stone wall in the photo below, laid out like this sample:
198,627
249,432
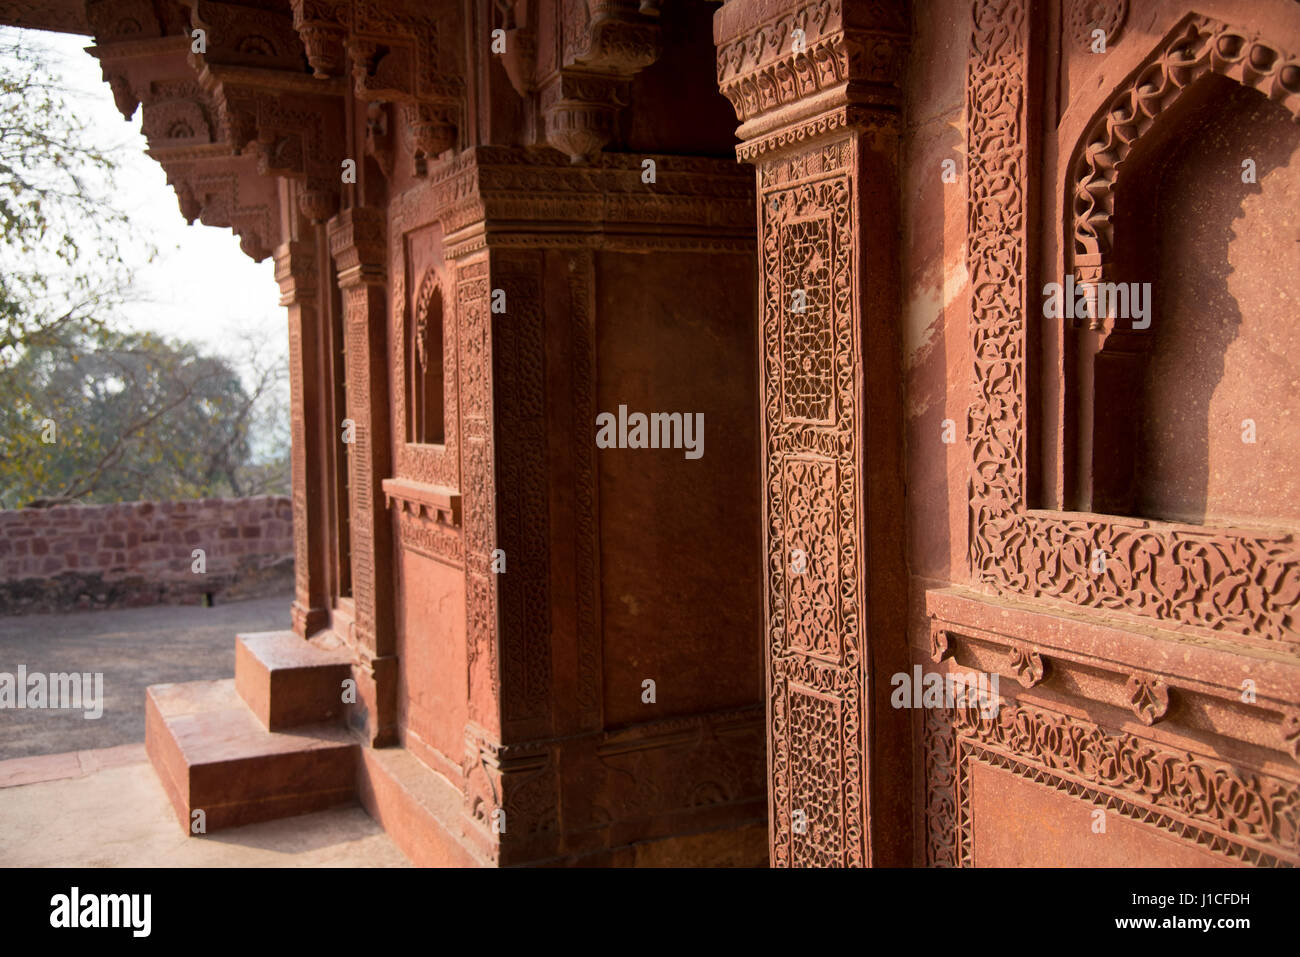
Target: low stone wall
143,553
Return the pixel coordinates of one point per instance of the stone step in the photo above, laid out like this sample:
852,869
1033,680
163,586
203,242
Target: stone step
212,754
419,809
288,682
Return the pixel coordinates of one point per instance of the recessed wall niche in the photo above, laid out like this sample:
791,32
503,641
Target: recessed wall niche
1189,420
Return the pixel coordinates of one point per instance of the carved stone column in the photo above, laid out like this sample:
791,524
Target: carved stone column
296,272
816,86
357,240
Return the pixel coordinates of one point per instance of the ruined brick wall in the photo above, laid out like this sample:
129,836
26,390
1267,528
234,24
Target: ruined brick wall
79,557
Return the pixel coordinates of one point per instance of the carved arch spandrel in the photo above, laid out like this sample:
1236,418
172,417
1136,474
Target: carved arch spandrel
1197,47
1233,583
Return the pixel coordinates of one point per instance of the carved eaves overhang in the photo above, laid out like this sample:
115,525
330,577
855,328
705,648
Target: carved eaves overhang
268,105
534,197
58,16
792,74
226,114
179,120
578,79
404,52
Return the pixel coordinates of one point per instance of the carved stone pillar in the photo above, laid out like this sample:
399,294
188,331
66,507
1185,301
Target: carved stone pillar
296,272
816,87
357,239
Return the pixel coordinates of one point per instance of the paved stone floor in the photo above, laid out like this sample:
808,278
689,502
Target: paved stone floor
106,809
134,648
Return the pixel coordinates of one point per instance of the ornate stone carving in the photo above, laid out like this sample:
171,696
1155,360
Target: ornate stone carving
812,457
1085,16
379,136
1245,584
358,248
1195,48
122,20
520,446
814,111
1291,733
581,114
293,134
939,645
322,25
587,500
1236,812
296,272
68,16
430,464
770,67
1027,665
602,44
244,35
1148,696
478,484
226,191
177,114
939,754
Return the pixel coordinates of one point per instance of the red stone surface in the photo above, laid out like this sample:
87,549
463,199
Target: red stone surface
211,753
287,681
946,459
141,553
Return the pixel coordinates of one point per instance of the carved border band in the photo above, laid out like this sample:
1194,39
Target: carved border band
1250,816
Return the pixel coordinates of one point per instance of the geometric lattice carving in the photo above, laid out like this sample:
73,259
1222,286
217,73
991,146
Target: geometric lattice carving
817,774
807,349
811,494
810,593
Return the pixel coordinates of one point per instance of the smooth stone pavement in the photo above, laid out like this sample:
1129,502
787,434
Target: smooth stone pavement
107,809
134,648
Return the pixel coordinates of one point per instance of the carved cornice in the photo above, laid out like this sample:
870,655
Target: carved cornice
421,500
505,191
1219,691
224,190
358,243
299,135
809,69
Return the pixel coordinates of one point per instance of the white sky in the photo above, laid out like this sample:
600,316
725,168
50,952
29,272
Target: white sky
201,287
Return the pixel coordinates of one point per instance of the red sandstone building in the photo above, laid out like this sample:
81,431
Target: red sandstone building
827,226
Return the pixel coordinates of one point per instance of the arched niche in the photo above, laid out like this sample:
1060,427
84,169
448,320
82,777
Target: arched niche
1159,404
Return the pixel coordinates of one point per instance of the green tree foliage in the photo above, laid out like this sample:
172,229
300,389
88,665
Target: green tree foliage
88,413
102,416
60,261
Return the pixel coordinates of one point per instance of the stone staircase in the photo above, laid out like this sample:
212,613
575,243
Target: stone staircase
269,744
272,743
